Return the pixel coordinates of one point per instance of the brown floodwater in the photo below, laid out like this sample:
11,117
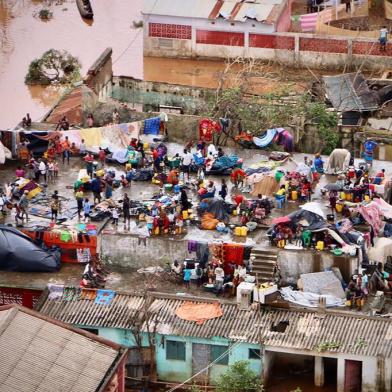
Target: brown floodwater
23,37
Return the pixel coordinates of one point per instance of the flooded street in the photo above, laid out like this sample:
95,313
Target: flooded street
23,37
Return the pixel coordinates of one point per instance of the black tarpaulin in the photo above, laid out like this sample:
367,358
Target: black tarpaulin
19,253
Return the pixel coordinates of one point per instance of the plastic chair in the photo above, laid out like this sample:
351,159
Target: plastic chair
280,200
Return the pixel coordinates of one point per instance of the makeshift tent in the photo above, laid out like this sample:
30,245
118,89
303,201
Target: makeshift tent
217,207
5,153
315,208
267,186
19,253
265,139
381,250
338,161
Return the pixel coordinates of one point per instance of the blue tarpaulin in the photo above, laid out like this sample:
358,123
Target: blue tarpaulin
151,126
104,297
266,138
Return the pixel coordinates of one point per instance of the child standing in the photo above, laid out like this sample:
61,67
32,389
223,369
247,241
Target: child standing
86,209
115,216
55,170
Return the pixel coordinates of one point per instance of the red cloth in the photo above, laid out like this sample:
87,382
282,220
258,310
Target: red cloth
207,128
238,199
233,253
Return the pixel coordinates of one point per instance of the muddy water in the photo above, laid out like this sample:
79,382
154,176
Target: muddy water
24,37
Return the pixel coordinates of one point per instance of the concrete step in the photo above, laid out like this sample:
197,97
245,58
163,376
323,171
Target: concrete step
265,252
266,261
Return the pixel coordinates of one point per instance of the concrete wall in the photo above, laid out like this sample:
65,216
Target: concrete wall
153,94
293,49
294,263
124,250
99,75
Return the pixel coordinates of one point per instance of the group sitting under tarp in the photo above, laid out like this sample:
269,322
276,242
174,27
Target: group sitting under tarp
20,253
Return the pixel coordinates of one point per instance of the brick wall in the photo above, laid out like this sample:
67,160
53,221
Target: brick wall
270,41
220,38
162,30
324,45
370,48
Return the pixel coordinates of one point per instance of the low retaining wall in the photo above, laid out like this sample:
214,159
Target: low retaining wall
125,250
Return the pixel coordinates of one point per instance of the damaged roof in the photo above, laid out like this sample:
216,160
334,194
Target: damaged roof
40,354
350,93
232,10
302,329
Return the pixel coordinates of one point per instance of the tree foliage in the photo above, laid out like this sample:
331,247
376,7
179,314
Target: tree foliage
239,378
326,123
54,66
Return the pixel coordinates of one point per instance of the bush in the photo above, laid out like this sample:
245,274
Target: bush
55,66
239,378
45,14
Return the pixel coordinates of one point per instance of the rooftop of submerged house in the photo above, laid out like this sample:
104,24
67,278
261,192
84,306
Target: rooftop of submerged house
165,314
45,354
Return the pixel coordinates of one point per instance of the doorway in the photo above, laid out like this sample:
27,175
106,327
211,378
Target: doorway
352,376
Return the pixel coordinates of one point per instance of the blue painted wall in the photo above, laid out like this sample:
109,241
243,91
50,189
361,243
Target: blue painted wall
179,371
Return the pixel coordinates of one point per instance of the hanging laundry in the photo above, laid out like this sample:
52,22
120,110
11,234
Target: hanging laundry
55,291
202,253
71,293
104,297
192,246
151,126
207,128
88,294
233,253
83,255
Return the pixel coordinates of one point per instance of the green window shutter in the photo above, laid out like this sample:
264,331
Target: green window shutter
175,350
217,351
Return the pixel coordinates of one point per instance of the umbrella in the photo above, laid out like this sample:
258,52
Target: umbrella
315,208
282,219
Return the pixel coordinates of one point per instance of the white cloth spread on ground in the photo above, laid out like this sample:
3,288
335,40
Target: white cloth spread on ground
309,300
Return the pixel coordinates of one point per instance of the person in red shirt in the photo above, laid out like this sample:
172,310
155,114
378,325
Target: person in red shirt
102,156
381,173
237,177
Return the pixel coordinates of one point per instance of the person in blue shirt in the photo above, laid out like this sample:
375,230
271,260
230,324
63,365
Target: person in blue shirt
86,209
187,277
319,164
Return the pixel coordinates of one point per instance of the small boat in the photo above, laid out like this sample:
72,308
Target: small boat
85,9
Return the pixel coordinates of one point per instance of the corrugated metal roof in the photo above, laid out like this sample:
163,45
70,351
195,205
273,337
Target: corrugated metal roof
120,314
305,331
37,355
188,8
350,92
234,10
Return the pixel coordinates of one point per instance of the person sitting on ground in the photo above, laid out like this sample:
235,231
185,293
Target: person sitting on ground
19,172
176,267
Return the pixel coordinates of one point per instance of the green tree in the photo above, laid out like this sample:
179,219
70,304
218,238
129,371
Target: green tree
54,66
326,123
239,378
